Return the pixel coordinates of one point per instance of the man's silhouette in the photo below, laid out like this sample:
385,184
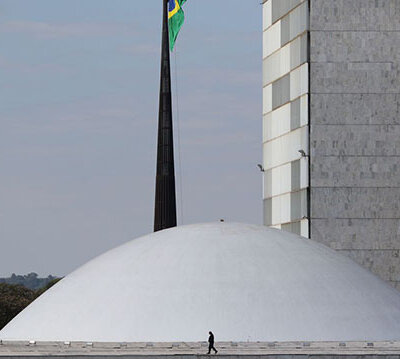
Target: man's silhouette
211,343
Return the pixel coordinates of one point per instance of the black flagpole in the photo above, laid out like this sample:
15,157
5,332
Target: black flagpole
165,201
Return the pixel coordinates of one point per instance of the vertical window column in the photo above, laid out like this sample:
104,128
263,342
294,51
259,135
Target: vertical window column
285,114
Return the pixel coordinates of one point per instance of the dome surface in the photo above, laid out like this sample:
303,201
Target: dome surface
243,282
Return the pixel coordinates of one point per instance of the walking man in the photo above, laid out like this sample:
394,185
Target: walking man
211,343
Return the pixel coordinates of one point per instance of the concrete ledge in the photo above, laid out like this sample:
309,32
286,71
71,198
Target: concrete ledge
259,350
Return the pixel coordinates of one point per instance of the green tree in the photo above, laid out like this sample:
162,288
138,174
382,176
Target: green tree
13,299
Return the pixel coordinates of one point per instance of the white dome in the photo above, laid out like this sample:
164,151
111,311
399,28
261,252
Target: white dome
243,282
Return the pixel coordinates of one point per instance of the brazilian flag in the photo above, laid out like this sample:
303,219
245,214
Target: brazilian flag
176,17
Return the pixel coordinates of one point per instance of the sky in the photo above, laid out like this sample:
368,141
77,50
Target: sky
79,86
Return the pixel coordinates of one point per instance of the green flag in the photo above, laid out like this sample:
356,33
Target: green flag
176,17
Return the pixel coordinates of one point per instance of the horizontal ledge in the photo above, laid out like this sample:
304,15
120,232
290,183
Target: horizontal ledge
286,193
355,187
355,124
313,155
286,103
351,62
285,74
372,31
352,93
354,218
366,249
266,168
286,133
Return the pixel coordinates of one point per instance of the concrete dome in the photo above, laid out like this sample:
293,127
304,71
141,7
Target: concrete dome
243,282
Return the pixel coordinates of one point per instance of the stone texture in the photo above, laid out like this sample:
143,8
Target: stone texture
357,15
373,243
353,145
355,202
347,171
355,109
354,46
353,140
355,234
355,132
355,77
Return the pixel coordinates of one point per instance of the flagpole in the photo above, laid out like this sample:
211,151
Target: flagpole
165,196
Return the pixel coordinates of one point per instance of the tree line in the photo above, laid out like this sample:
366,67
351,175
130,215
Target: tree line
15,297
31,280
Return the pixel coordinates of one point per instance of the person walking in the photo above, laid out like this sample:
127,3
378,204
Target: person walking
211,343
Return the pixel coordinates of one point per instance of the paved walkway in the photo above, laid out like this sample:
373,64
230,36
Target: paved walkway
22,349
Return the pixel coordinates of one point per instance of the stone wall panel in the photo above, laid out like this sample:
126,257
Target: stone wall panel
355,77
358,15
355,132
354,46
354,234
356,109
353,140
364,203
348,171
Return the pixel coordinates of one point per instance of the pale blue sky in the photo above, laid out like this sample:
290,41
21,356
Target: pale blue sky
79,82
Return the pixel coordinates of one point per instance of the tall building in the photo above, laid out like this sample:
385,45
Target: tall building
331,125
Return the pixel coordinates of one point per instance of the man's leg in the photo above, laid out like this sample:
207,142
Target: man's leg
215,350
